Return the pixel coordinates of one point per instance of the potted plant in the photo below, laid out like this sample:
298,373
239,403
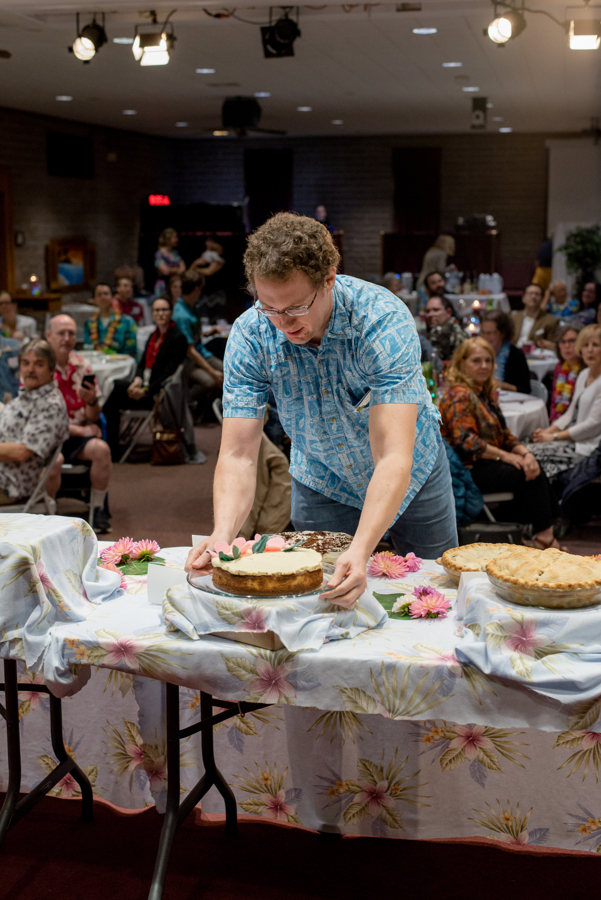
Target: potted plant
582,248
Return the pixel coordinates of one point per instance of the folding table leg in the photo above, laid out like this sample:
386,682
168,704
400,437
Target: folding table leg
13,810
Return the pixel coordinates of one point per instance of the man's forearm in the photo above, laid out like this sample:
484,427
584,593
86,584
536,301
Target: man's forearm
15,453
234,489
383,500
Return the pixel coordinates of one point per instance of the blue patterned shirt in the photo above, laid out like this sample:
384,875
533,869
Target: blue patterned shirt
370,344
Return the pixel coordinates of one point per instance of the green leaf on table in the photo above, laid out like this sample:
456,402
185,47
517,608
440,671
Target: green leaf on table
139,566
388,601
259,546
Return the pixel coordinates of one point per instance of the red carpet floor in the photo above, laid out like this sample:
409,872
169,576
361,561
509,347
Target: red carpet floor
50,854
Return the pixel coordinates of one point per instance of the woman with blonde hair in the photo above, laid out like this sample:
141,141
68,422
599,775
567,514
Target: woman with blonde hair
435,258
167,260
474,426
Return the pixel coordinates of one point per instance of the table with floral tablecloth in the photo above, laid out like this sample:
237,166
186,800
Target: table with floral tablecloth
395,733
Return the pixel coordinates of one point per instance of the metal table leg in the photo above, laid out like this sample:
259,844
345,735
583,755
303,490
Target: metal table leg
176,812
13,810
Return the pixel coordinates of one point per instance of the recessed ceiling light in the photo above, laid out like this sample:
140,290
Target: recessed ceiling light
123,40
452,65
505,130
220,133
490,105
497,118
424,30
261,94
470,89
130,112
181,124
205,71
304,108
337,122
63,98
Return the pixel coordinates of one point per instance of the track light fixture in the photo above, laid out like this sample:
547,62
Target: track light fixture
509,24
153,42
278,39
89,39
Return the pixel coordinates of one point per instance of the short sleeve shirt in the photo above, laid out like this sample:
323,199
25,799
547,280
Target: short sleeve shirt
370,344
189,325
38,419
68,380
118,336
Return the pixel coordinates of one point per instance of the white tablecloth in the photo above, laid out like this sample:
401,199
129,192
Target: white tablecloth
109,369
464,302
543,363
523,413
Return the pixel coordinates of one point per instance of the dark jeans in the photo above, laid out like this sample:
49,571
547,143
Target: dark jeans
118,400
533,501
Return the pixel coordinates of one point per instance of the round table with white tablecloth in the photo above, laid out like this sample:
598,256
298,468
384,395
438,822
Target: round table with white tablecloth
523,413
109,368
542,362
464,303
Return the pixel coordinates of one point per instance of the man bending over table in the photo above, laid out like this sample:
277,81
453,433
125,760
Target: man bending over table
81,396
321,342
31,426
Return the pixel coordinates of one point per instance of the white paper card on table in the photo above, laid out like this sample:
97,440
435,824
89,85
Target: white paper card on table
160,578
467,582
197,538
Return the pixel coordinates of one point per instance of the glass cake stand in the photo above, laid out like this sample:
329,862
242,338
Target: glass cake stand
205,583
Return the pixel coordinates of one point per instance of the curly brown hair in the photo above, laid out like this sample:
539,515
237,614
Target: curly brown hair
287,243
454,374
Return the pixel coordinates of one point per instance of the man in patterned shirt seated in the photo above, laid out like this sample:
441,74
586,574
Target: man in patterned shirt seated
342,357
82,398
31,426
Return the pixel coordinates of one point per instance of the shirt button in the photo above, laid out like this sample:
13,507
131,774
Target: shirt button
340,446
349,467
325,390
359,485
332,419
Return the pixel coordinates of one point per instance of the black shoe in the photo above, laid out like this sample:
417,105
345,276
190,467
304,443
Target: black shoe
101,524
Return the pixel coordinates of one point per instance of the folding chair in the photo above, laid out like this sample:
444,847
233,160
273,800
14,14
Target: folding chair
501,497
79,491
40,501
137,421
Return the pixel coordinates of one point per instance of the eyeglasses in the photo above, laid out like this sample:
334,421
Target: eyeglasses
568,341
293,311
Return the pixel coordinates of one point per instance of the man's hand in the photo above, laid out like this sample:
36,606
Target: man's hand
85,431
135,392
87,394
349,580
199,560
217,377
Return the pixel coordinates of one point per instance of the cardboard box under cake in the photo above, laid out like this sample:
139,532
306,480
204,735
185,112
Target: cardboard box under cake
268,640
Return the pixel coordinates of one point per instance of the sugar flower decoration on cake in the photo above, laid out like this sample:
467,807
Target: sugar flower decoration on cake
387,564
242,547
145,550
430,604
113,568
120,552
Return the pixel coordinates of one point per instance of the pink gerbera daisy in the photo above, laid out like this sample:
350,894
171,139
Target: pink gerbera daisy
430,604
144,550
386,563
121,552
113,568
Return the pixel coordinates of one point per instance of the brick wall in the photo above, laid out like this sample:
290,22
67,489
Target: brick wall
104,209
502,174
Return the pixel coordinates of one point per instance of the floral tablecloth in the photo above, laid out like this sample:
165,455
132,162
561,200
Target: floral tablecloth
388,734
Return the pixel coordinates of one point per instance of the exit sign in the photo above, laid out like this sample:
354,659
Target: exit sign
159,200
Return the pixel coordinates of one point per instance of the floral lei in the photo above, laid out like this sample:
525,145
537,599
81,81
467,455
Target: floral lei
110,332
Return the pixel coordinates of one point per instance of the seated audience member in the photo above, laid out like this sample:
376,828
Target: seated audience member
109,330
211,260
557,301
566,371
474,426
165,350
205,371
435,284
19,328
392,282
588,305
85,442
577,433
174,289
532,325
124,295
9,368
511,369
31,426
442,328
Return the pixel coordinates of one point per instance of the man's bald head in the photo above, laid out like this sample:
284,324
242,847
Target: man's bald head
62,336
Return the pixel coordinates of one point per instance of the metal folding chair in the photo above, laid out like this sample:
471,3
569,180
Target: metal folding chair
40,501
138,420
81,468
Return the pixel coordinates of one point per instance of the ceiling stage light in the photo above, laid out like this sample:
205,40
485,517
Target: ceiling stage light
278,39
424,30
452,65
585,34
89,40
153,42
504,28
205,71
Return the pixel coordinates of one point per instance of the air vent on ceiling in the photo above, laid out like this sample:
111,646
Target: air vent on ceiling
227,84
408,7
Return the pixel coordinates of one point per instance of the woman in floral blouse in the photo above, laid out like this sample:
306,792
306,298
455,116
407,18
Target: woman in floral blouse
566,371
474,426
167,260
